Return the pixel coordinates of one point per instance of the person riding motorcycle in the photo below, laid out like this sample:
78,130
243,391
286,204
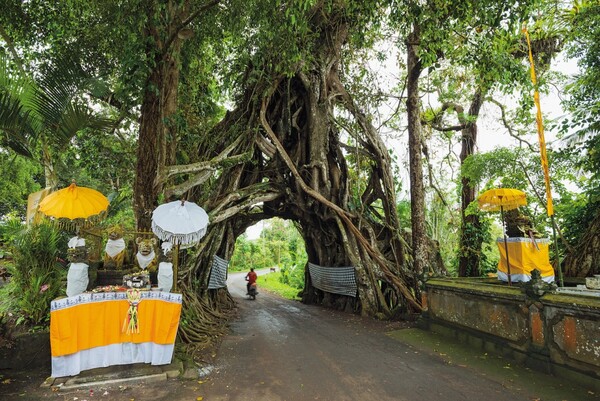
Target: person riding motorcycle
251,279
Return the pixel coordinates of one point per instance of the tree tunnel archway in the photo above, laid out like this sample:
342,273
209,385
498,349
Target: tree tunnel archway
292,148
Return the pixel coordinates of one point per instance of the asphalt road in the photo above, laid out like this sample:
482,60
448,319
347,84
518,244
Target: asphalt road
284,350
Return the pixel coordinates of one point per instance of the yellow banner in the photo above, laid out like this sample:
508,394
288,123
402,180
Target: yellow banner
540,127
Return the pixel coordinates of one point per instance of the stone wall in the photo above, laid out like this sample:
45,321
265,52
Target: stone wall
28,350
555,332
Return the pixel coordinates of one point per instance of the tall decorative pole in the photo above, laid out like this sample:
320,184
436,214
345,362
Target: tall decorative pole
544,157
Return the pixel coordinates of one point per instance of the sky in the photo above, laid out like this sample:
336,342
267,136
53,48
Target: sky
253,232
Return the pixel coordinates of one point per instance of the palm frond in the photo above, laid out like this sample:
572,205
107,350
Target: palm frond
17,122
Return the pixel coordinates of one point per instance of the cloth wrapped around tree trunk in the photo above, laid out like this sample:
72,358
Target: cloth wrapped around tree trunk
337,280
218,273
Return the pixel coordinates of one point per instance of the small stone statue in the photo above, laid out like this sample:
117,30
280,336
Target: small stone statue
145,258
537,287
115,250
519,225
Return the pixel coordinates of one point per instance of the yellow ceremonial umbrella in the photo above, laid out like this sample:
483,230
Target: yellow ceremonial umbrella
80,205
502,199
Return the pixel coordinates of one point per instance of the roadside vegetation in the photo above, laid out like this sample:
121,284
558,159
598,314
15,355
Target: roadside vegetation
275,282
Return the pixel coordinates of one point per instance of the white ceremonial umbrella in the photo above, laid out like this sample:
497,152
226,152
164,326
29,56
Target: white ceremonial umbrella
181,223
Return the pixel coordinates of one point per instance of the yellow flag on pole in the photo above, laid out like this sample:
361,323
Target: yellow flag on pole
540,127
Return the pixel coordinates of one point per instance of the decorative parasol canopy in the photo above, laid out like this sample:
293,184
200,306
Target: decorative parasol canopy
497,199
502,199
74,203
179,222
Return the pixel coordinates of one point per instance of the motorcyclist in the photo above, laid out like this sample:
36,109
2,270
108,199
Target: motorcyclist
251,279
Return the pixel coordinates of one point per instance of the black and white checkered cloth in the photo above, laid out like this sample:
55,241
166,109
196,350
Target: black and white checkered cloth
218,273
338,280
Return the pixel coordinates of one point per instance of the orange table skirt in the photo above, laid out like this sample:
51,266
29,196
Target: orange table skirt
87,325
92,320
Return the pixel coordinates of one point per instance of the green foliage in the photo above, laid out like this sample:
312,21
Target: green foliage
513,168
18,178
104,38
443,228
447,27
576,214
37,277
293,276
579,128
100,160
274,282
490,255
481,235
40,117
251,253
584,46
120,209
403,210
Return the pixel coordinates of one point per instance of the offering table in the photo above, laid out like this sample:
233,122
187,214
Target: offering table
93,330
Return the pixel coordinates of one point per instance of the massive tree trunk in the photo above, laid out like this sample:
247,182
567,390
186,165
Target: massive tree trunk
151,128
157,138
471,239
415,146
279,153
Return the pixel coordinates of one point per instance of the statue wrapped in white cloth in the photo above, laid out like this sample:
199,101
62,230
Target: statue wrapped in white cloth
165,268
77,277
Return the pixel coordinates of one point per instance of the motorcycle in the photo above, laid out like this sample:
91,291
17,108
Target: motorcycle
252,291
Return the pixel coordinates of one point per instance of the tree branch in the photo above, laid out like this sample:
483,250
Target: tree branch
507,125
186,22
11,47
220,214
211,164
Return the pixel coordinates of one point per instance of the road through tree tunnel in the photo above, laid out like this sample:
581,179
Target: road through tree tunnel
285,350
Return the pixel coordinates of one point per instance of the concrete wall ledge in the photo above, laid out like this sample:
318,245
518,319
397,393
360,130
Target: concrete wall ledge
477,286
553,332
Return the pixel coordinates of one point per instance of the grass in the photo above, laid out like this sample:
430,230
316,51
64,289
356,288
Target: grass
270,282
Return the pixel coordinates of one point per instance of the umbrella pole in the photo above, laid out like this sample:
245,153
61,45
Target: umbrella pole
505,246
175,265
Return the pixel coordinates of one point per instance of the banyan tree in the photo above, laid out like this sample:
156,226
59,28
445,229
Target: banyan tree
289,148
